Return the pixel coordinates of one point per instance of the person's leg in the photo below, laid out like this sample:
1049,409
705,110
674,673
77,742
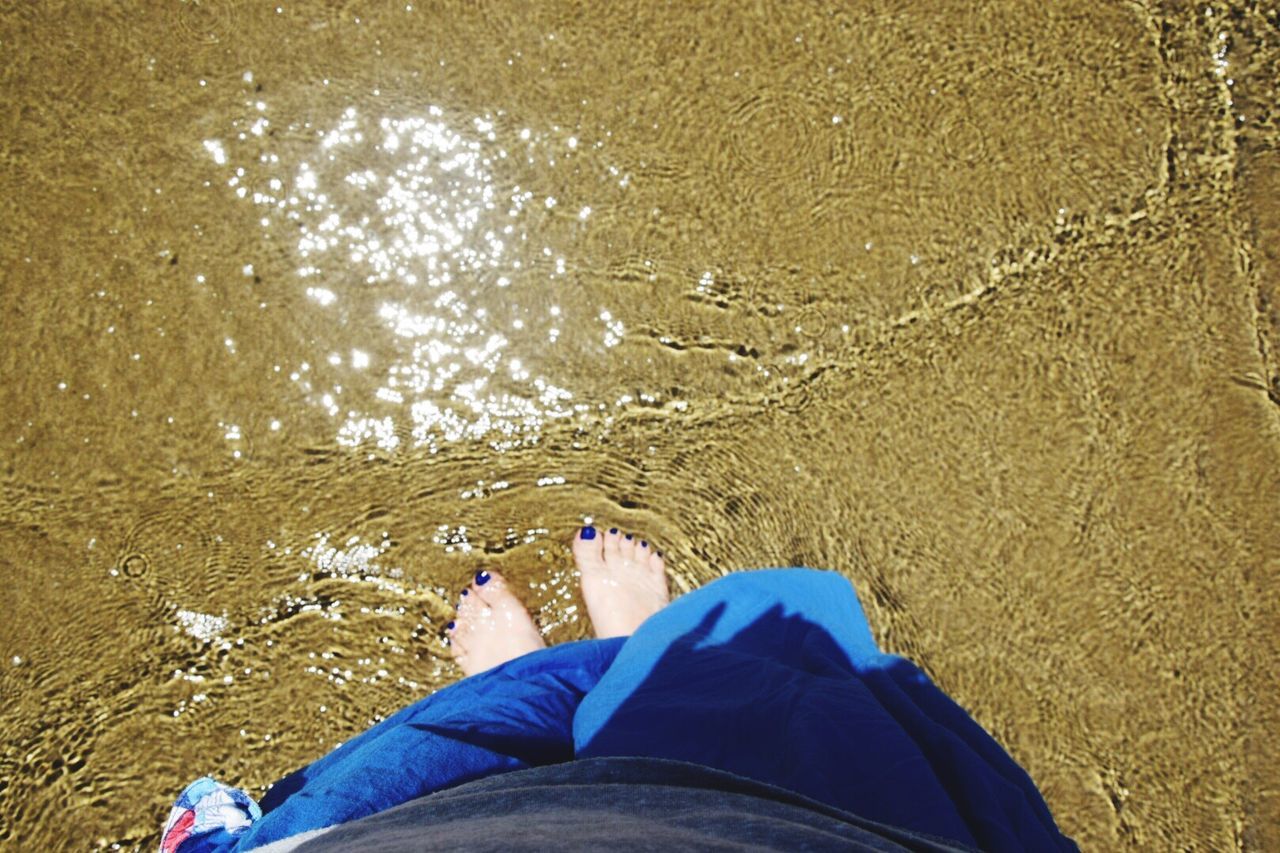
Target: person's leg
514,710
773,674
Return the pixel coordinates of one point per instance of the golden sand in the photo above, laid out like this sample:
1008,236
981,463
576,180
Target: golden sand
311,310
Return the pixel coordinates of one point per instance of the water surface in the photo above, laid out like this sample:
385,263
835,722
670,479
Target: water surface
310,310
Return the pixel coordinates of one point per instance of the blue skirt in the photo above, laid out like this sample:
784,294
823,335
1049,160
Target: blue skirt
770,674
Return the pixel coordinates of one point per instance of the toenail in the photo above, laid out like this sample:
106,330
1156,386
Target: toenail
482,578
588,532
466,592
644,544
613,530
449,627
629,536
659,553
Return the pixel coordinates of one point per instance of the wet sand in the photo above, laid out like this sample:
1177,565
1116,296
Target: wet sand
311,310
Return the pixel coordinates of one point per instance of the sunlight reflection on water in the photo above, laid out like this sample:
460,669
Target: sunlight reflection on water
409,208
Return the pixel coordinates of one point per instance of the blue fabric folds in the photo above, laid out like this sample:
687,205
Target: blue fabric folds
770,674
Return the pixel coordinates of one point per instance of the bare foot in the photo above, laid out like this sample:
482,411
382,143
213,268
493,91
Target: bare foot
492,626
624,580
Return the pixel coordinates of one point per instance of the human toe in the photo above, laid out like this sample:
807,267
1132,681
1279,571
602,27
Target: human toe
588,547
469,600
497,594
456,634
612,542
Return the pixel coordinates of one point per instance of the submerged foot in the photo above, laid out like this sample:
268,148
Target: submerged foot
492,626
624,580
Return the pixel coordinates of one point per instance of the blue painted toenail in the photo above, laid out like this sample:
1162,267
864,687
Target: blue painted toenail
466,592
644,544
449,626
482,578
629,536
588,532
613,530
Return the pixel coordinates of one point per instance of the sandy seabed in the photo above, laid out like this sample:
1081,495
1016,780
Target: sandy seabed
311,310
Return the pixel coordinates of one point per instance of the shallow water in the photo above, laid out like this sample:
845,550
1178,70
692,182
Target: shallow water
311,310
